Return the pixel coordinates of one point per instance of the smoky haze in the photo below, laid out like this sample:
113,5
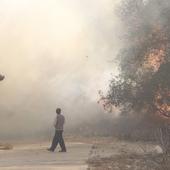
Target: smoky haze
56,53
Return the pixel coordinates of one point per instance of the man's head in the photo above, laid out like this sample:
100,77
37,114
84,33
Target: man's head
58,111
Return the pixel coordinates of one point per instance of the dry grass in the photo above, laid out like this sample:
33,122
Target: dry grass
131,162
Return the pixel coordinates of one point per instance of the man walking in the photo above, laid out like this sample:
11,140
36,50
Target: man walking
58,137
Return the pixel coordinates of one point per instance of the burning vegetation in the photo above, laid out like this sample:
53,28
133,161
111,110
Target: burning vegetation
142,88
143,85
162,103
154,59
141,91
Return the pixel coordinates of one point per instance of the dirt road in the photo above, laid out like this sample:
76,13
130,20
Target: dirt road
36,157
98,153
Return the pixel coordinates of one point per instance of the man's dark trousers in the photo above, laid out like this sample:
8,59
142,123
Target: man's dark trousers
58,138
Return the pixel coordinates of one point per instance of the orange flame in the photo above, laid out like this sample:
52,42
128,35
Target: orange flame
154,59
162,103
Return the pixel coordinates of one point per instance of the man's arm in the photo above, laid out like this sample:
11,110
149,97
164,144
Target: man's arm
55,122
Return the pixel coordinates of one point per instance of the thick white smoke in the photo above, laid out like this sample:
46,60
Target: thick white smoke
55,53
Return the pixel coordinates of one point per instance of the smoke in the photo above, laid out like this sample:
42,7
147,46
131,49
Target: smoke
56,53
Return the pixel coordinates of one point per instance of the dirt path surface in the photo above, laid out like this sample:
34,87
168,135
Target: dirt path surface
85,154
36,157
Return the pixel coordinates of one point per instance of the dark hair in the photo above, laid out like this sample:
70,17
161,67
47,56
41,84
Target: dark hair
58,110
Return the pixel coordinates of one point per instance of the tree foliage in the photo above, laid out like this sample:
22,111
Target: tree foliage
143,85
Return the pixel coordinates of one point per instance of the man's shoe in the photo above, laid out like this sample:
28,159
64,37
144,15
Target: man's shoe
50,150
62,151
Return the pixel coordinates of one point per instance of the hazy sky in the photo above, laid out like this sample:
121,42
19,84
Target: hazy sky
54,53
